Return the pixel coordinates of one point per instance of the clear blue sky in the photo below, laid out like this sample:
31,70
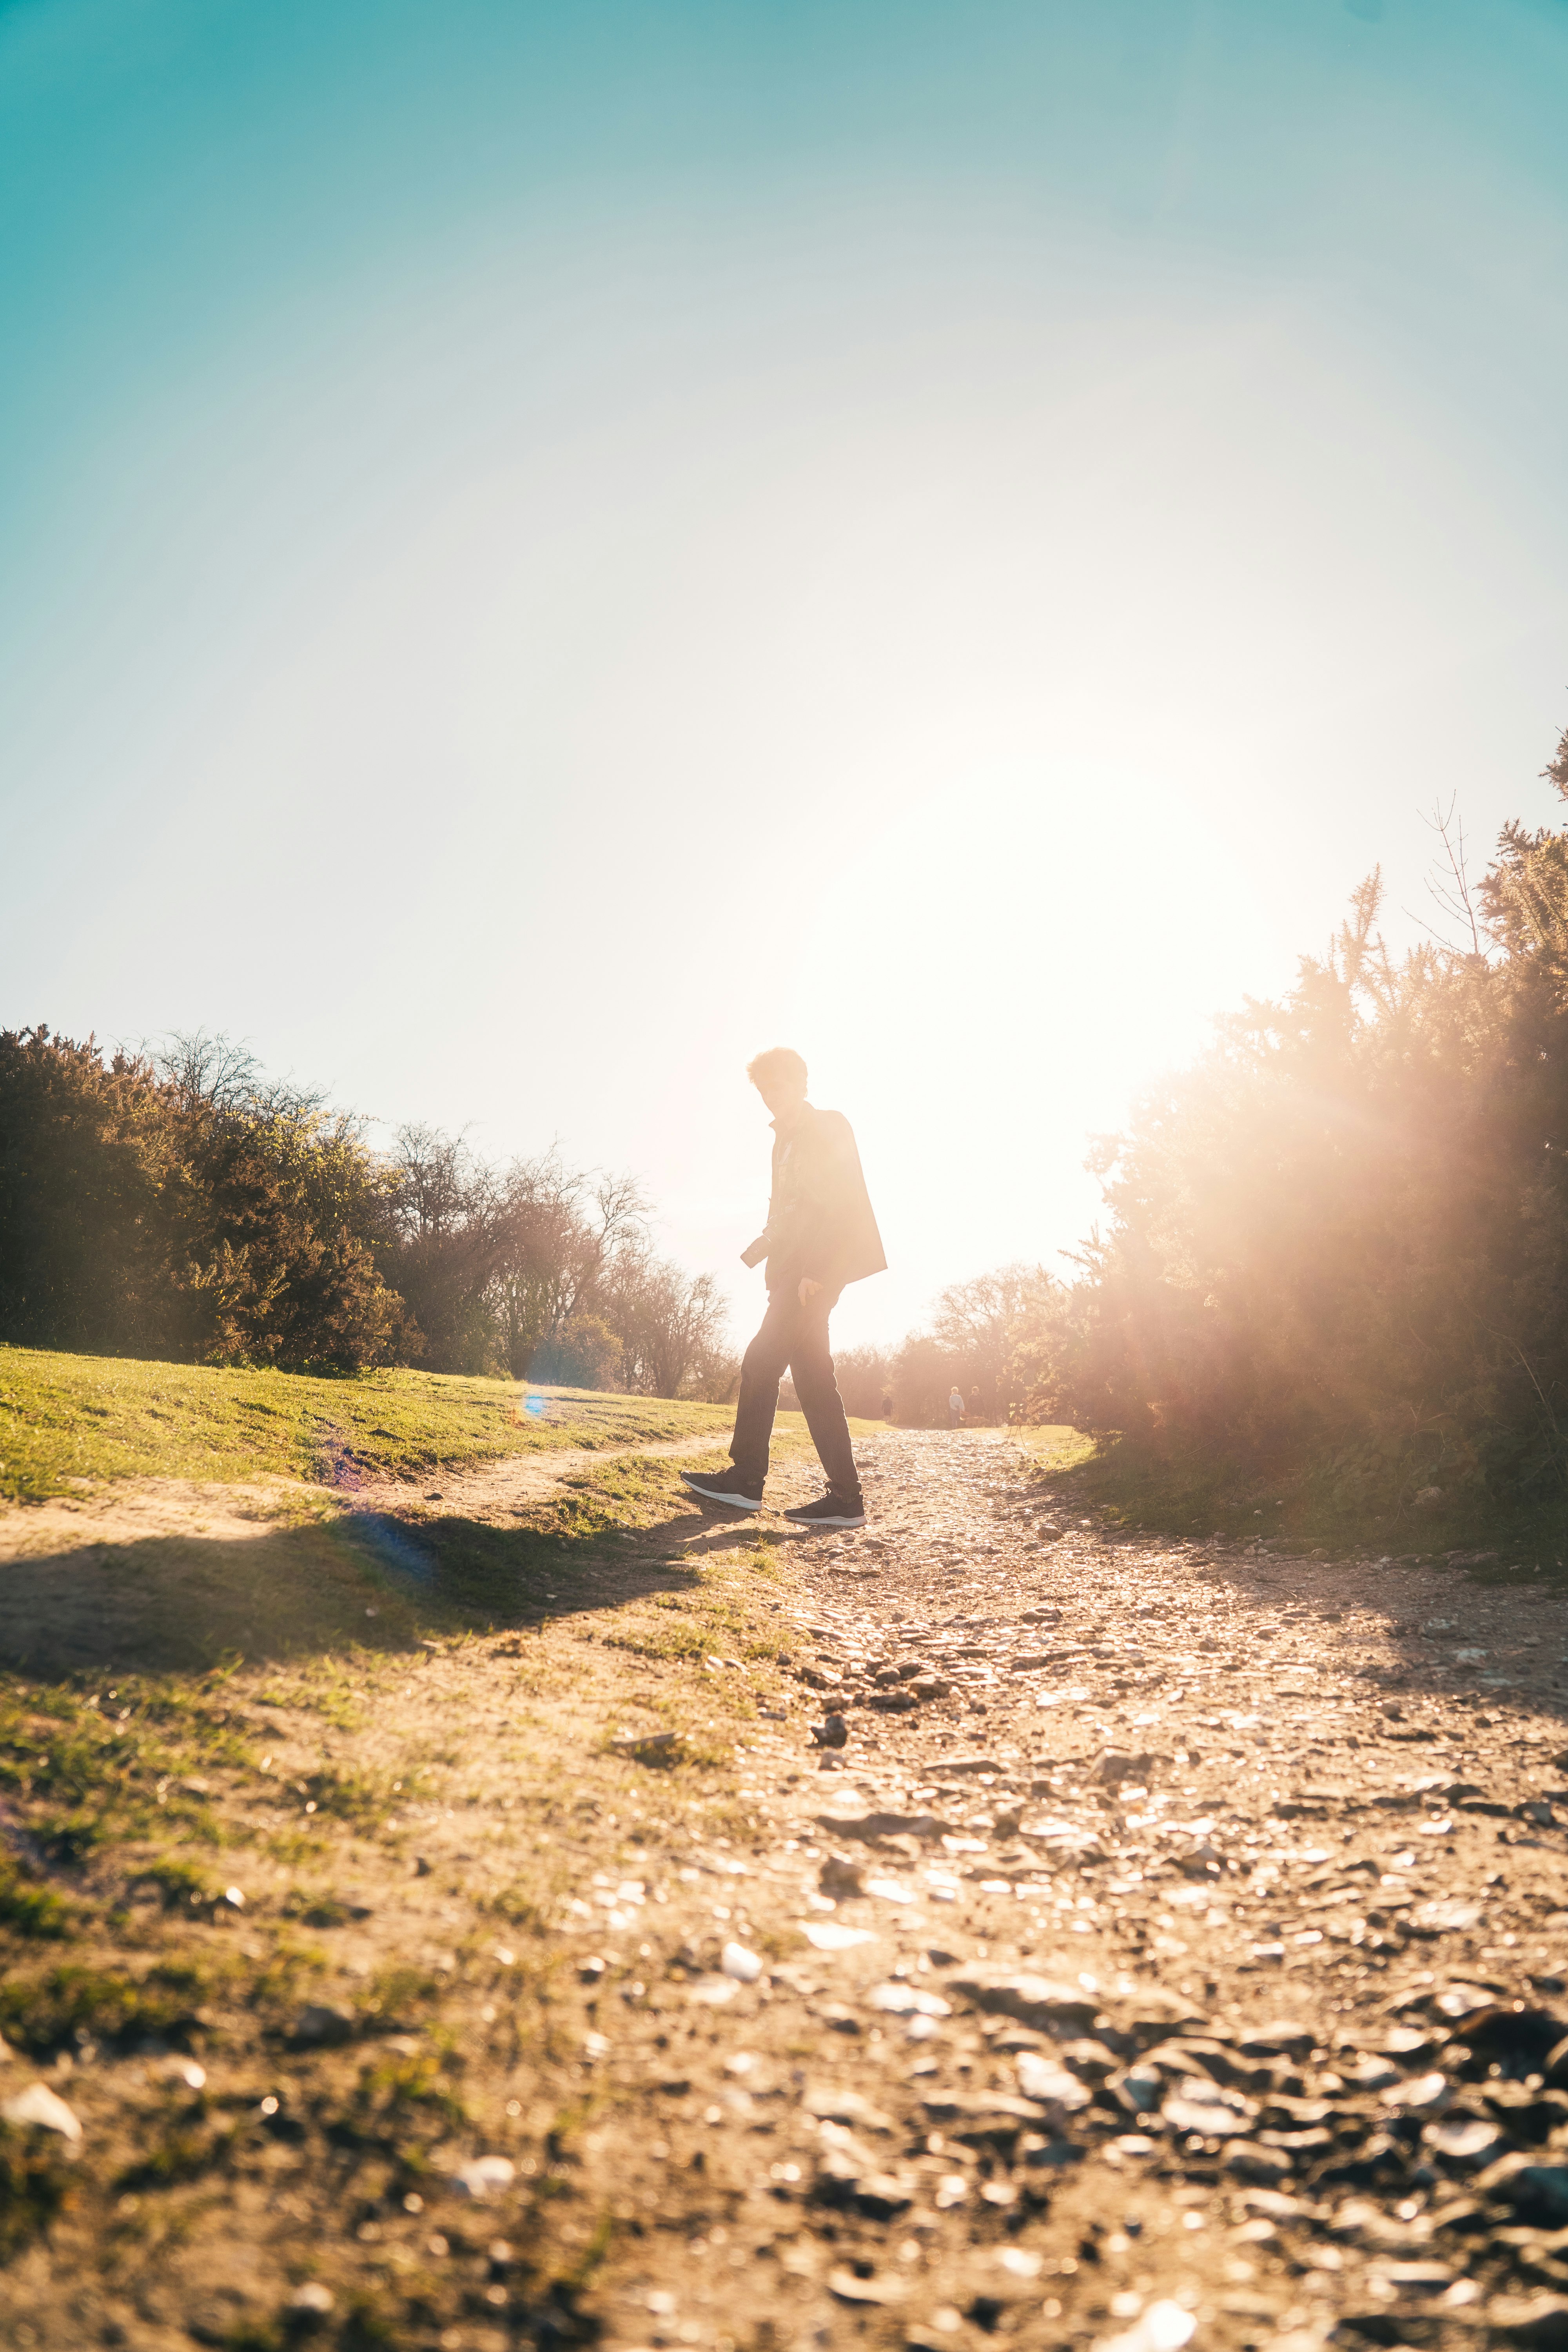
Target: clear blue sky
542,549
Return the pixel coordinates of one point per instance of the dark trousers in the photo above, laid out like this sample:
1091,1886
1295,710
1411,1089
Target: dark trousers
792,1338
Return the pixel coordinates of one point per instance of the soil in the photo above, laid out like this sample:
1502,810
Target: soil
1174,1949
129,1510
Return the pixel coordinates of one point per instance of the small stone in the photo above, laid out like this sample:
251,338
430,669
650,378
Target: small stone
321,2027
827,1935
1271,2201
1448,1916
232,1896
1199,2105
1413,2278
712,1992
1285,2040
42,2108
484,2177
832,1732
1165,2326
311,2300
882,2196
1463,2139
901,1999
737,1962
1138,2089
826,2105
1428,2094
841,1879
1371,2074
1044,2079
850,2289
1032,2000
648,1746
1268,2167
882,1825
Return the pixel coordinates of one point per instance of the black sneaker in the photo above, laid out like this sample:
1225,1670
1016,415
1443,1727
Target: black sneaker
727,1489
828,1511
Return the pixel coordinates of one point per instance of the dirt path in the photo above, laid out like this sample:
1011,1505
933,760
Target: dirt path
494,1492
135,1510
1175,1949
1190,1963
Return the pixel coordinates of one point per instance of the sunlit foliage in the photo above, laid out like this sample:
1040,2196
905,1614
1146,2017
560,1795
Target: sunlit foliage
1346,1225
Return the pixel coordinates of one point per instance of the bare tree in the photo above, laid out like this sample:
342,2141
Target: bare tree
210,1073
1449,883
671,1325
557,1231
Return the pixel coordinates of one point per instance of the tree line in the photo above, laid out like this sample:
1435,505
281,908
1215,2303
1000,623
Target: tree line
975,1341
180,1204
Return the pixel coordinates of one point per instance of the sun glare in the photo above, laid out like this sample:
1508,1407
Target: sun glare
1019,955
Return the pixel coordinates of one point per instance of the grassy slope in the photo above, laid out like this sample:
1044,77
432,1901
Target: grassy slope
298,1717
64,1418
396,1718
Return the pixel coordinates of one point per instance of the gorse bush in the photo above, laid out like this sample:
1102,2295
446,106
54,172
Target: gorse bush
181,1205
1344,1229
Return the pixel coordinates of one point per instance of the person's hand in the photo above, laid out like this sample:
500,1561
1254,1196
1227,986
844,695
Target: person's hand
809,1289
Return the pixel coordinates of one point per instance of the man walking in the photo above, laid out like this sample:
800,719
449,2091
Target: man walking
819,1235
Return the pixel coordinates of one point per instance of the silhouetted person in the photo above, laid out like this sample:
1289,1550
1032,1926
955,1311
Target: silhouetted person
819,1235
954,1404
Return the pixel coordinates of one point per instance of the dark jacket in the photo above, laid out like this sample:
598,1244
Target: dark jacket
820,1222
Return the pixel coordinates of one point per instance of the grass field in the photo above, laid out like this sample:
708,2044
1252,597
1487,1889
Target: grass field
386,1760
65,1418
392,1814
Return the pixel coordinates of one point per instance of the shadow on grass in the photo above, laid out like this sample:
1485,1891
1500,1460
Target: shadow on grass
185,1603
1187,1493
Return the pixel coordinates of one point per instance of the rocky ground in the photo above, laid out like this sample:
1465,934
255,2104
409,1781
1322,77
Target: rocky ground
1103,1940
1183,1962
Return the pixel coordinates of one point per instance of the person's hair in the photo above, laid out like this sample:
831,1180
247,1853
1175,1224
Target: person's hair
778,1062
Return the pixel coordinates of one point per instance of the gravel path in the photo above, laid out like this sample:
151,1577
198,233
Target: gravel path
1173,1950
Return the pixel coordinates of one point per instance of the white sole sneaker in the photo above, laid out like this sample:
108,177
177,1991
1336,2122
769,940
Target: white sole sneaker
711,1494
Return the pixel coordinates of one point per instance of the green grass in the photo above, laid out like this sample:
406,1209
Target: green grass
65,1419
347,1654
1299,1508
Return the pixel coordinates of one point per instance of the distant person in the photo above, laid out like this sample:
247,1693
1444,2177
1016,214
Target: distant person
976,1412
886,1405
955,1405
819,1235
